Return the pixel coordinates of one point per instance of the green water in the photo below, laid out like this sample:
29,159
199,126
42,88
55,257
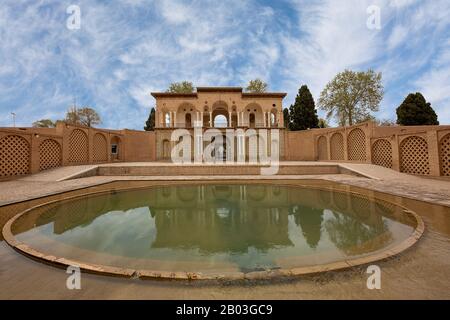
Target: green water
215,227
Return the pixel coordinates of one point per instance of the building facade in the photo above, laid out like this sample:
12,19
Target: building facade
220,108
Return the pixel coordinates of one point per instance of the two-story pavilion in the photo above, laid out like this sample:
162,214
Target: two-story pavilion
214,107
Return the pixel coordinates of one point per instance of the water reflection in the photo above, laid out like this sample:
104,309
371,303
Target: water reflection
229,219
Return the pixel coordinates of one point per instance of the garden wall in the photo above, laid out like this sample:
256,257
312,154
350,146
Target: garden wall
31,150
421,150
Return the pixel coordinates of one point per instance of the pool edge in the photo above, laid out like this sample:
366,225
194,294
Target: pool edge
62,262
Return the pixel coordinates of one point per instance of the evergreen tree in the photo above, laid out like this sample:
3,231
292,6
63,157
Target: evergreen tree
286,118
303,113
150,123
415,111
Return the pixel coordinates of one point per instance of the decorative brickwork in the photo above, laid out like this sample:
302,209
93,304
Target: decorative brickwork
414,156
382,153
337,146
444,152
14,156
356,142
50,154
78,147
100,148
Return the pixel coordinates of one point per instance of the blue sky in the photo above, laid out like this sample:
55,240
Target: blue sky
125,49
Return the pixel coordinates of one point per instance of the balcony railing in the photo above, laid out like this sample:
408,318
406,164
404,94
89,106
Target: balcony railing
222,124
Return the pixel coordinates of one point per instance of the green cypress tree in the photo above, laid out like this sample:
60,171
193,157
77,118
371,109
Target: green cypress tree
286,118
415,111
150,123
303,113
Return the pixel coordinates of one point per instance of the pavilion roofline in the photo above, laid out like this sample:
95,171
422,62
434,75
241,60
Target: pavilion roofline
264,94
219,89
173,95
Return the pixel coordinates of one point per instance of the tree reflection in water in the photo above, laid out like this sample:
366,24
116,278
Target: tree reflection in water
352,236
208,220
310,221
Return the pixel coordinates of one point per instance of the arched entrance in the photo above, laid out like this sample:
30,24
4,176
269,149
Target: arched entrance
220,108
222,149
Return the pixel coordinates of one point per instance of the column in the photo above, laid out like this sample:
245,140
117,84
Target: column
238,119
229,118
240,146
433,153
210,119
174,119
201,119
264,117
198,143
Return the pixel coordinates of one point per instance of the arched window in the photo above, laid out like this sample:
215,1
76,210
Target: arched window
188,120
220,121
252,120
167,119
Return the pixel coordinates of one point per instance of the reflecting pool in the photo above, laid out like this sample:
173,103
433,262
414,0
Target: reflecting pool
215,227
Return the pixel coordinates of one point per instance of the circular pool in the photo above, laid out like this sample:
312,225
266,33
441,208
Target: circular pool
211,231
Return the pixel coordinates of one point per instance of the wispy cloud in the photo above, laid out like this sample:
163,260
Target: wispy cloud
126,49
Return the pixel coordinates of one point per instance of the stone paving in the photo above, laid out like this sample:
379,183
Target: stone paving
373,177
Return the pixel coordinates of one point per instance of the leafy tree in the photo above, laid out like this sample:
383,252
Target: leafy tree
351,96
303,113
150,123
415,111
181,87
256,86
323,123
44,123
89,117
84,116
286,118
72,116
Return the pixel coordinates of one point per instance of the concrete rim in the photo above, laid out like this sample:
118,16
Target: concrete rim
182,275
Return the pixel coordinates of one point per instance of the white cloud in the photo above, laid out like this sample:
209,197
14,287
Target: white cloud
398,35
124,50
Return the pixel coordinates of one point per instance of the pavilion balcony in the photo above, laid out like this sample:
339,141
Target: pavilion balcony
222,124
